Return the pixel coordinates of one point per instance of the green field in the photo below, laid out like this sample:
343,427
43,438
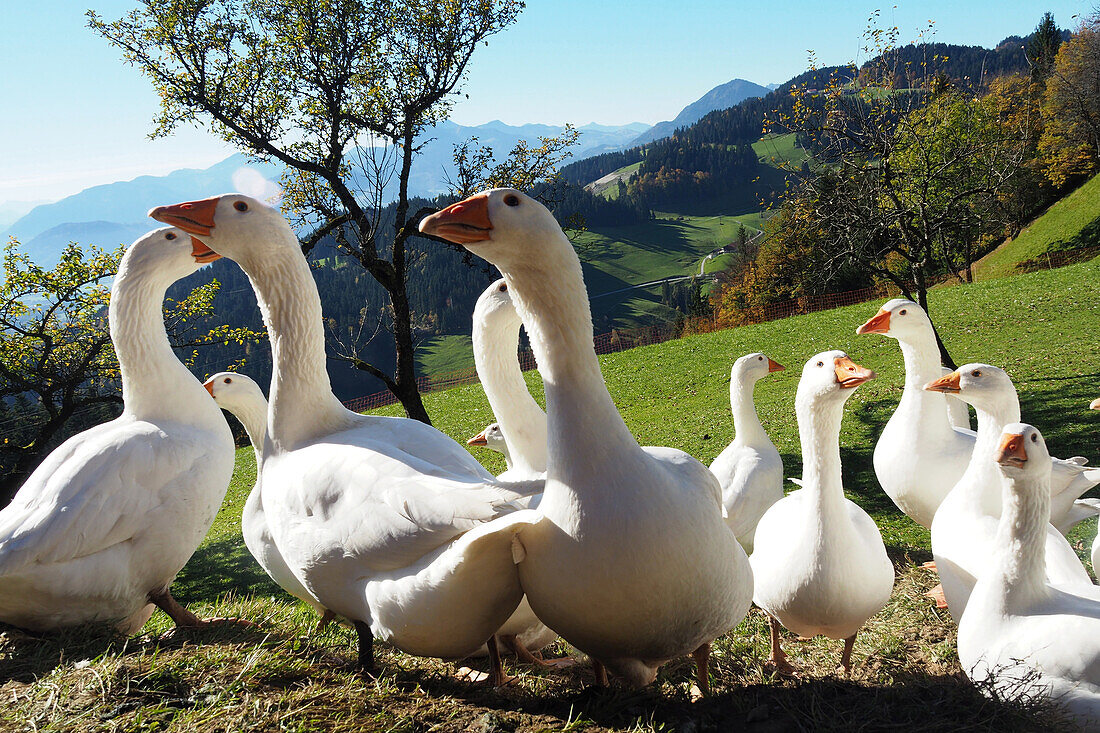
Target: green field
1061,222
776,150
281,675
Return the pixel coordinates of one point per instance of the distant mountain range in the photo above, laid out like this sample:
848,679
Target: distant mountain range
115,213
723,96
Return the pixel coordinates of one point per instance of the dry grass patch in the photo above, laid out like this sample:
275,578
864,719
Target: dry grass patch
284,675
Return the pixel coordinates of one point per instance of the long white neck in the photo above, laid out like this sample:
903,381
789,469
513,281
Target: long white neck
301,405
922,365
584,427
819,432
1021,540
981,482
253,415
521,420
155,384
746,423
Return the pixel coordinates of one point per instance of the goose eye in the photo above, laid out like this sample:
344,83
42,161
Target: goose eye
170,235
503,288
228,380
901,312
821,363
976,373
1034,438
760,358
511,199
240,206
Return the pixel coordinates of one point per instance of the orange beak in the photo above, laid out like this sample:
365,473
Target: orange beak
201,252
478,439
878,323
1011,451
948,383
193,217
849,374
209,387
463,223
774,366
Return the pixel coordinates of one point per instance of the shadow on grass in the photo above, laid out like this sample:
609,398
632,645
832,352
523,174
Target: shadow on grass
819,704
219,568
27,658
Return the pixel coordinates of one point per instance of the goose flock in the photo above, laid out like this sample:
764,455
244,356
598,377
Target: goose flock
633,555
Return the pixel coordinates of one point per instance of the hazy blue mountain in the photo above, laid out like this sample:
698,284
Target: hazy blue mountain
11,211
108,214
723,96
45,247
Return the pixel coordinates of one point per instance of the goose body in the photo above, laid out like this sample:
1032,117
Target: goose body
820,563
749,470
385,521
965,527
921,454
103,525
1020,632
631,561
240,394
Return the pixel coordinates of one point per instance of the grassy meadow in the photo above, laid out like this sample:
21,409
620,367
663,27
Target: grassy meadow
281,674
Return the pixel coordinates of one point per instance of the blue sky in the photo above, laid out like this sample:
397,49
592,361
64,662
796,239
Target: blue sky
75,116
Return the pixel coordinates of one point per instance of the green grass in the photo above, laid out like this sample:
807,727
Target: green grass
281,675
610,190
776,150
1061,222
444,354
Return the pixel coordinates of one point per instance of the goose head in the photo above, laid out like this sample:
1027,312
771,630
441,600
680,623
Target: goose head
982,385
1022,452
233,225
494,307
502,226
752,367
830,377
169,251
900,319
491,437
235,392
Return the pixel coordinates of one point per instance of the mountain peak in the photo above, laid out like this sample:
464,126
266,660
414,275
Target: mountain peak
722,96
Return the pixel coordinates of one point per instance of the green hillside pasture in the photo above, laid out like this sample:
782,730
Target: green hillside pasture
1063,221
609,188
281,675
444,354
776,150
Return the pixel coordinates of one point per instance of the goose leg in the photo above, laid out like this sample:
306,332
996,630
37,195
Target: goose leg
778,659
702,660
524,654
601,673
181,616
497,676
326,618
366,646
846,655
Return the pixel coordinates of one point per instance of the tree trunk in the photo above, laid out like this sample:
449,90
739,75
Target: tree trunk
405,371
921,286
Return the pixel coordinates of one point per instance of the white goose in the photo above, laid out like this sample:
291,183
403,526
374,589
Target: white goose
102,526
820,563
749,470
1020,631
632,563
521,421
240,394
920,454
385,521
1095,405
965,527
